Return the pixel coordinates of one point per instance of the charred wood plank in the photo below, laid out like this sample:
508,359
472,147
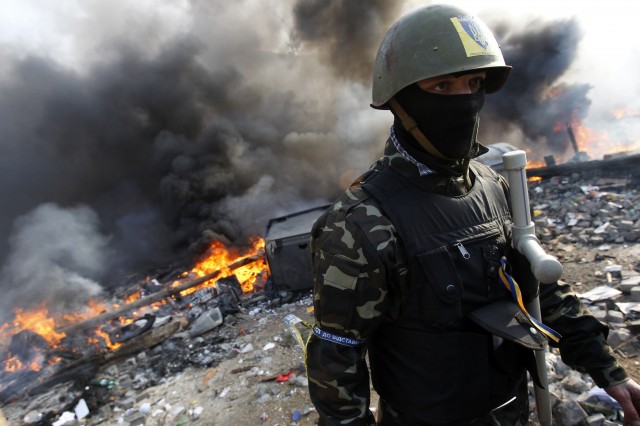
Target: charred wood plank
155,297
82,369
144,341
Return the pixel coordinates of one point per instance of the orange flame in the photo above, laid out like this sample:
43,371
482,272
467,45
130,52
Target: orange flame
219,257
535,164
13,364
40,321
596,144
107,340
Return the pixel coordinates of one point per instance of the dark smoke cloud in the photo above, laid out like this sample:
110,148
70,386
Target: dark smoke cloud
168,145
346,32
533,101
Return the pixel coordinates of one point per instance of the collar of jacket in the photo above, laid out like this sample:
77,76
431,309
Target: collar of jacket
436,182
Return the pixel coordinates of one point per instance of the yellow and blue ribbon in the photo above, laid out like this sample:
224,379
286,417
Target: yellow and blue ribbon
514,289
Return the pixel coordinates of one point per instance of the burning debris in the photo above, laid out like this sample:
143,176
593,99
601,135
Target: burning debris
38,349
612,165
580,155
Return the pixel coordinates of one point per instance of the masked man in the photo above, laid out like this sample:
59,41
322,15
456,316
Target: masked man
407,261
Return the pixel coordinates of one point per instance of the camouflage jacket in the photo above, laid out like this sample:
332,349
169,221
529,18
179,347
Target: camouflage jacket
358,263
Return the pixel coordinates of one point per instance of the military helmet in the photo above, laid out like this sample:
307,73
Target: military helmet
432,41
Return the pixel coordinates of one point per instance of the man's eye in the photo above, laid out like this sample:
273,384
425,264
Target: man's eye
477,82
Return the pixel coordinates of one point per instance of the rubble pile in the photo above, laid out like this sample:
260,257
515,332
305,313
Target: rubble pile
592,224
180,379
581,210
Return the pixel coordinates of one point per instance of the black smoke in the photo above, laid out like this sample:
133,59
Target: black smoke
534,101
155,150
347,33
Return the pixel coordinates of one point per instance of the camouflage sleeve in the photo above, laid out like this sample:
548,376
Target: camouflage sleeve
352,247
584,339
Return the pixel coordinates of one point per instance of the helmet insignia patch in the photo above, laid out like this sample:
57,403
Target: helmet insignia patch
475,36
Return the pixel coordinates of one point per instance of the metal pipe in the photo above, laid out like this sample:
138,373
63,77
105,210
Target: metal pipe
545,268
572,138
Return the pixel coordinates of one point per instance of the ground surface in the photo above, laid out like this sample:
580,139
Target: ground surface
243,390
584,269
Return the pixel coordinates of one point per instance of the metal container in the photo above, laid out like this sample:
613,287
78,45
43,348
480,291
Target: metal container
288,252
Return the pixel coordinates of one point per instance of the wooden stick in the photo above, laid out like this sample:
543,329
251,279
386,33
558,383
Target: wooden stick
155,297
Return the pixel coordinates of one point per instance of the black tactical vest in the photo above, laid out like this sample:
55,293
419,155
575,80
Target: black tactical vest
433,362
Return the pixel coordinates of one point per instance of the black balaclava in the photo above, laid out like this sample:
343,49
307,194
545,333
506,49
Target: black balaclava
450,122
